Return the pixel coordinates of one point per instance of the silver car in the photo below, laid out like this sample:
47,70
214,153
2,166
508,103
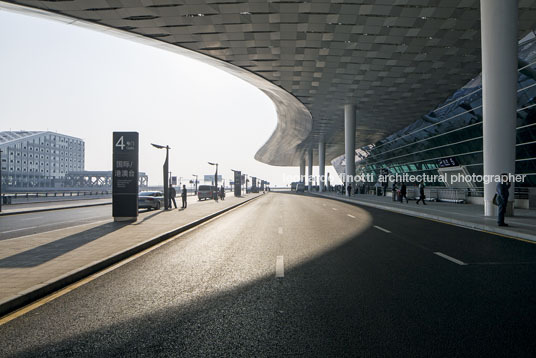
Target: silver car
150,200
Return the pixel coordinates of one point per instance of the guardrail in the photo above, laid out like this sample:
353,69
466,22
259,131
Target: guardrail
459,194
8,197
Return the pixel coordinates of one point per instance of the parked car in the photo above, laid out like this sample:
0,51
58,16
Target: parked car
300,188
206,192
150,200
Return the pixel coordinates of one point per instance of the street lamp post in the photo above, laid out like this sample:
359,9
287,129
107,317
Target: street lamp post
195,175
166,175
215,177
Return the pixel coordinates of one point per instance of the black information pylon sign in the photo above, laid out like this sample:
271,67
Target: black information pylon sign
125,176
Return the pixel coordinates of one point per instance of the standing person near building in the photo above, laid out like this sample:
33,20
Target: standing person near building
421,193
172,195
349,189
394,189
222,192
184,194
403,192
503,193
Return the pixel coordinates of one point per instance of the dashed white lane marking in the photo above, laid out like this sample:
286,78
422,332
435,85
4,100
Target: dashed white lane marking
280,230
279,267
353,217
451,259
382,229
335,209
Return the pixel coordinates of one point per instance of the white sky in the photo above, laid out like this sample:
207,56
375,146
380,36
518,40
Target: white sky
88,84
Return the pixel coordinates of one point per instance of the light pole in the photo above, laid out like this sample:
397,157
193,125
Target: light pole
215,177
166,175
195,175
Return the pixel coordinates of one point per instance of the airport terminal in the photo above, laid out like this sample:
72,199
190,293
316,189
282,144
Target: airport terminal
375,88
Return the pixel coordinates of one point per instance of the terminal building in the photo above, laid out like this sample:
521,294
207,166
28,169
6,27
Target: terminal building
449,138
39,159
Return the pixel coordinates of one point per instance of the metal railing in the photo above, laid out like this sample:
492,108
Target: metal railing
7,198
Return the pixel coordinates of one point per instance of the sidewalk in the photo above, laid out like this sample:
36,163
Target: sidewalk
52,205
32,266
523,225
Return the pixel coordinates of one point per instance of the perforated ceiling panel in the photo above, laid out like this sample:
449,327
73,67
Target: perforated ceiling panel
394,59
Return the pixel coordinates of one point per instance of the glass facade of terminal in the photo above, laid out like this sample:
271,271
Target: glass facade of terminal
452,133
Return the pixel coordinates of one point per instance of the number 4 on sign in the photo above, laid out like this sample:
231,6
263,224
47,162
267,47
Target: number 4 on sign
120,143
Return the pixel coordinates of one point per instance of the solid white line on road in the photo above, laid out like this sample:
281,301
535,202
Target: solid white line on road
382,229
279,267
353,217
451,259
335,209
280,230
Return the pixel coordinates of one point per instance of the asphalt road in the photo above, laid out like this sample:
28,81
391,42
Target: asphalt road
291,275
20,225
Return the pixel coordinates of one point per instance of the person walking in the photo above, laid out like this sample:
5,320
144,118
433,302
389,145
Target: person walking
349,189
172,195
222,193
403,192
421,193
184,194
394,189
503,193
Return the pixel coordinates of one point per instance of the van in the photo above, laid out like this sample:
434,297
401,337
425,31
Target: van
206,192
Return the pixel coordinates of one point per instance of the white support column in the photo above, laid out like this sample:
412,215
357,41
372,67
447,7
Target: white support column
349,142
499,92
322,163
302,169
310,169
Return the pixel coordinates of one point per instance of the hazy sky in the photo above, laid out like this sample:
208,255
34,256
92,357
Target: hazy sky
88,84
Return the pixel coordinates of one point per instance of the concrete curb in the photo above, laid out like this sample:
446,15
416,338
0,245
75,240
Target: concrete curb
53,209
460,223
39,291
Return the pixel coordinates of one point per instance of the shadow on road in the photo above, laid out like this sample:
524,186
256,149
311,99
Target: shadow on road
51,250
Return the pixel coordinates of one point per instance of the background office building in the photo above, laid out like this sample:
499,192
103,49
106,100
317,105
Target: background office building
38,159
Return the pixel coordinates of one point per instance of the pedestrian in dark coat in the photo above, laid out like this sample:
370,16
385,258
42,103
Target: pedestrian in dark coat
503,193
421,193
184,194
172,195
403,192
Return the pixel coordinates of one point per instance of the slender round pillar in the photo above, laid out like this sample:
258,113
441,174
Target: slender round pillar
349,143
310,169
302,169
499,92
322,163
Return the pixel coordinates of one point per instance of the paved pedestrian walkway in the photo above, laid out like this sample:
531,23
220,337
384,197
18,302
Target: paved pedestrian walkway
523,225
30,262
